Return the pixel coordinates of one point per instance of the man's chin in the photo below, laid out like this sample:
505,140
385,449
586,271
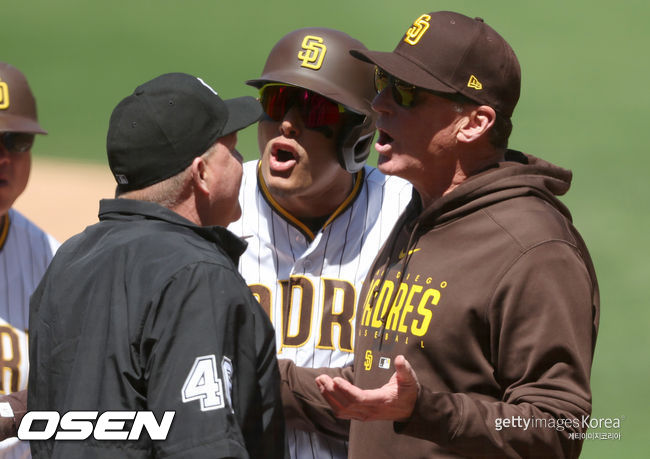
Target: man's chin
279,175
279,186
6,202
384,164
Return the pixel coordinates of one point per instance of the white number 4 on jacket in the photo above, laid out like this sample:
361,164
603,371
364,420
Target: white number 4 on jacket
203,383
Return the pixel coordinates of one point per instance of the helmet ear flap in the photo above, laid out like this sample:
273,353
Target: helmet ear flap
354,144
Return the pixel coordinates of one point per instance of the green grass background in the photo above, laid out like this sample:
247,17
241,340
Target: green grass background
584,106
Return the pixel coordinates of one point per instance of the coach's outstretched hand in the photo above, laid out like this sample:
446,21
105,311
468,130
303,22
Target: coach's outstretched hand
394,401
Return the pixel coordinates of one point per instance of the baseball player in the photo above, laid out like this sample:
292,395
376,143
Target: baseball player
25,250
313,214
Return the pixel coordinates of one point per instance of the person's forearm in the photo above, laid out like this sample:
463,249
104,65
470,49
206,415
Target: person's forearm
304,406
466,424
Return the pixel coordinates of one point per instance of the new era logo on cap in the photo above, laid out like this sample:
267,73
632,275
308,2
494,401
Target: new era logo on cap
474,83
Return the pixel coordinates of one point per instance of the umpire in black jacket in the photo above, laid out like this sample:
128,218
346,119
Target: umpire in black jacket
145,311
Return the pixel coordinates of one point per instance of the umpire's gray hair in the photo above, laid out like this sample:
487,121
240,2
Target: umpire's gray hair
170,192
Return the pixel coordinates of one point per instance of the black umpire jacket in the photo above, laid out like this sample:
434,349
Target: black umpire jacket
146,311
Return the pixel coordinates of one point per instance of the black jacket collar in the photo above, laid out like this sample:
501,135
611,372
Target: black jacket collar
131,210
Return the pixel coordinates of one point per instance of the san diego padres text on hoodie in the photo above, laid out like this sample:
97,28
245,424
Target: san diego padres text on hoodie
491,295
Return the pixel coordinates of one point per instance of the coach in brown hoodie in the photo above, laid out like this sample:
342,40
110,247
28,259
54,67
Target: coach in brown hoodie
476,327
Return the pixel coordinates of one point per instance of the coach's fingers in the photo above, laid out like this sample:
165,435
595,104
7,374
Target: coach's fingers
328,390
344,397
324,383
405,373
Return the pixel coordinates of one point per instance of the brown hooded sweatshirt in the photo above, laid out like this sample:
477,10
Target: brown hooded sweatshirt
491,295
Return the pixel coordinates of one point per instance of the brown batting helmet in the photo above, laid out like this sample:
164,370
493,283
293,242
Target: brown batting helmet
319,59
17,104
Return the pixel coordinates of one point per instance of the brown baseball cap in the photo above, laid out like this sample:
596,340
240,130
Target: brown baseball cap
450,53
17,104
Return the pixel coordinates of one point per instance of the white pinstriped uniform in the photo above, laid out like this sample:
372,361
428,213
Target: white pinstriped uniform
25,252
320,273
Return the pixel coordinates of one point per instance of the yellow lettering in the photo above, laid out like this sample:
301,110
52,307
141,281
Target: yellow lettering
393,315
367,306
408,307
382,303
431,296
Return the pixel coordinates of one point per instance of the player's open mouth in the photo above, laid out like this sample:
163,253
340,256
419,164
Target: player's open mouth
383,142
283,158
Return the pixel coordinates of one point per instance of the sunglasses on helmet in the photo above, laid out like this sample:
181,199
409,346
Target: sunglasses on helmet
315,110
16,142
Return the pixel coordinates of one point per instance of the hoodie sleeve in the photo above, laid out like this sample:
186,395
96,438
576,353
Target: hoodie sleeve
543,320
9,423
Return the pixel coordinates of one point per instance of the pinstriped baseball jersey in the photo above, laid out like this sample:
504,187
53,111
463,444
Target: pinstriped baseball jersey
309,282
25,252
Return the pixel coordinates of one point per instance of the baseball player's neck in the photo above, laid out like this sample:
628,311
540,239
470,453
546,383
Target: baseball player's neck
313,206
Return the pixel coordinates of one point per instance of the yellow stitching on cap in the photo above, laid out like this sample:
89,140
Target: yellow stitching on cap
414,34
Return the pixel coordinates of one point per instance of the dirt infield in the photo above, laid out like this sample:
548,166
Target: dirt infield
62,197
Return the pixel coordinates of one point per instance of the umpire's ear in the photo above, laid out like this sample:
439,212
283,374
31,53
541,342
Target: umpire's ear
200,175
